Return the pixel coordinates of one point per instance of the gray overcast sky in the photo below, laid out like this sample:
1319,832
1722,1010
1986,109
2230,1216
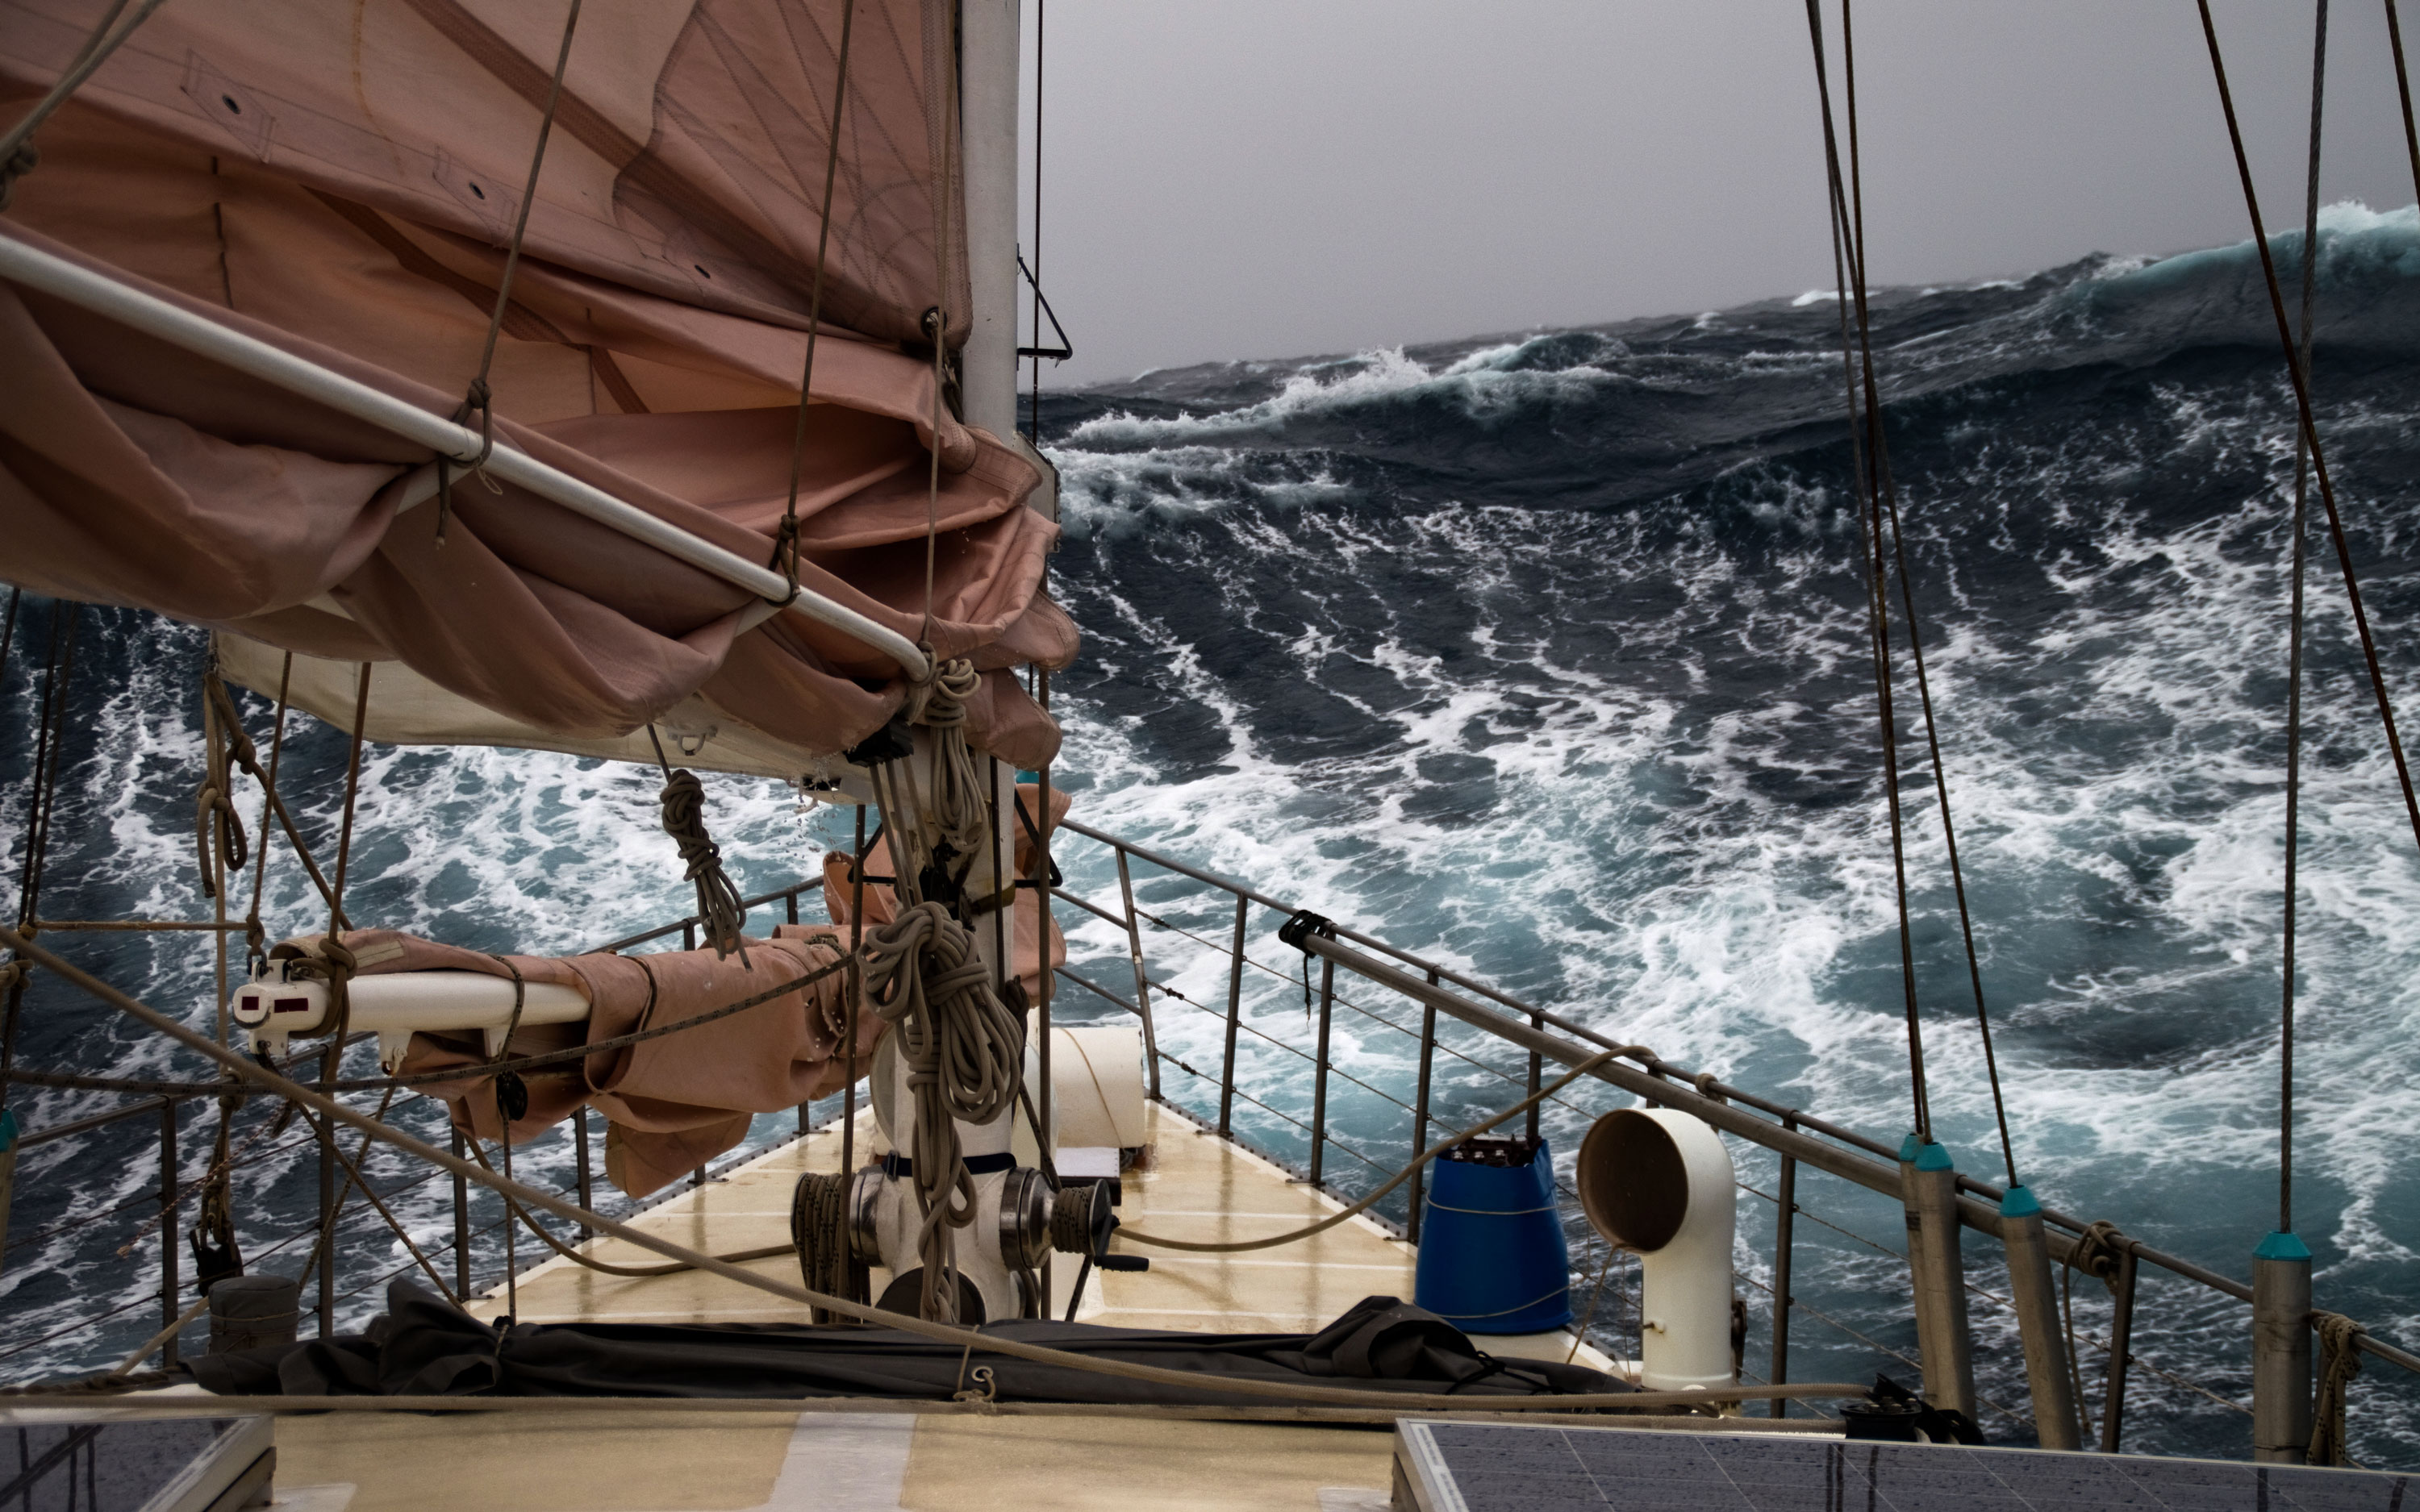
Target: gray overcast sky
1229,178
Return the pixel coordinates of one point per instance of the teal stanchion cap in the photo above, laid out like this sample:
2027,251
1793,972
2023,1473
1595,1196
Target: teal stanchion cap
2019,1203
1933,1157
2281,1244
8,1130
1908,1150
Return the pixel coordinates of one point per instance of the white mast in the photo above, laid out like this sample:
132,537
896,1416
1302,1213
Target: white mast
988,103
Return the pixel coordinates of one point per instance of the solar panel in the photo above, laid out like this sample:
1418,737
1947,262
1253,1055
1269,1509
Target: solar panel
1494,1467
63,1461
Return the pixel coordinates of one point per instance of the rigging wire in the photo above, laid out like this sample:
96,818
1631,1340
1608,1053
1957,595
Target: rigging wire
2310,426
937,322
478,397
786,547
17,154
1888,490
2295,637
1848,270
2403,92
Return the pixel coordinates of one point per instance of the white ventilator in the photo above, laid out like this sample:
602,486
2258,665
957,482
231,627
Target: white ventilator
1660,1185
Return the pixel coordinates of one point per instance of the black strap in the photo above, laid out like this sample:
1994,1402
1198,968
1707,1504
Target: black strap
899,1167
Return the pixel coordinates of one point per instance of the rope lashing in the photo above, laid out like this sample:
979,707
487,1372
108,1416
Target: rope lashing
963,1049
2097,1250
1297,929
218,829
2339,1362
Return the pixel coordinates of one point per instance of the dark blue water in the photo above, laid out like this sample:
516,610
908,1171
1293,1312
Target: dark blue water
1546,654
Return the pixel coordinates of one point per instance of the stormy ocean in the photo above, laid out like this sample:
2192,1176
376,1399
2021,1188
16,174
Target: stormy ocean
1544,654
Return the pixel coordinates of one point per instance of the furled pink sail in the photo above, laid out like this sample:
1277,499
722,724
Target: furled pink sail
341,181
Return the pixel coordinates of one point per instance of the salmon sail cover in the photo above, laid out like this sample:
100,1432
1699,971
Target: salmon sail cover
342,182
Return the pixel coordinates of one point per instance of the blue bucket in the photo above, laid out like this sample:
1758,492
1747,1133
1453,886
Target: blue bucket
1492,1259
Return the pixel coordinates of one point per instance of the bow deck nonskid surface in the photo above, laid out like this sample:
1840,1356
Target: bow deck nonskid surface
1196,1186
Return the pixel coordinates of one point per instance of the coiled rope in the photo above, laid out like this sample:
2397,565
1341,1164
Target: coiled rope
2339,1362
719,906
928,835
819,1232
963,1050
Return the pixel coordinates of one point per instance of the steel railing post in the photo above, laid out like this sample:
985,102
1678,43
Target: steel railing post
1785,1231
2281,1350
2121,1339
2031,1290
587,1183
1938,1272
689,935
1420,1117
168,1235
461,1224
1537,1068
806,1112
327,1306
1235,1020
1142,983
1319,1081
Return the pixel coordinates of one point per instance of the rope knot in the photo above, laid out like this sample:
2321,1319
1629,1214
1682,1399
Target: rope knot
2097,1250
18,163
